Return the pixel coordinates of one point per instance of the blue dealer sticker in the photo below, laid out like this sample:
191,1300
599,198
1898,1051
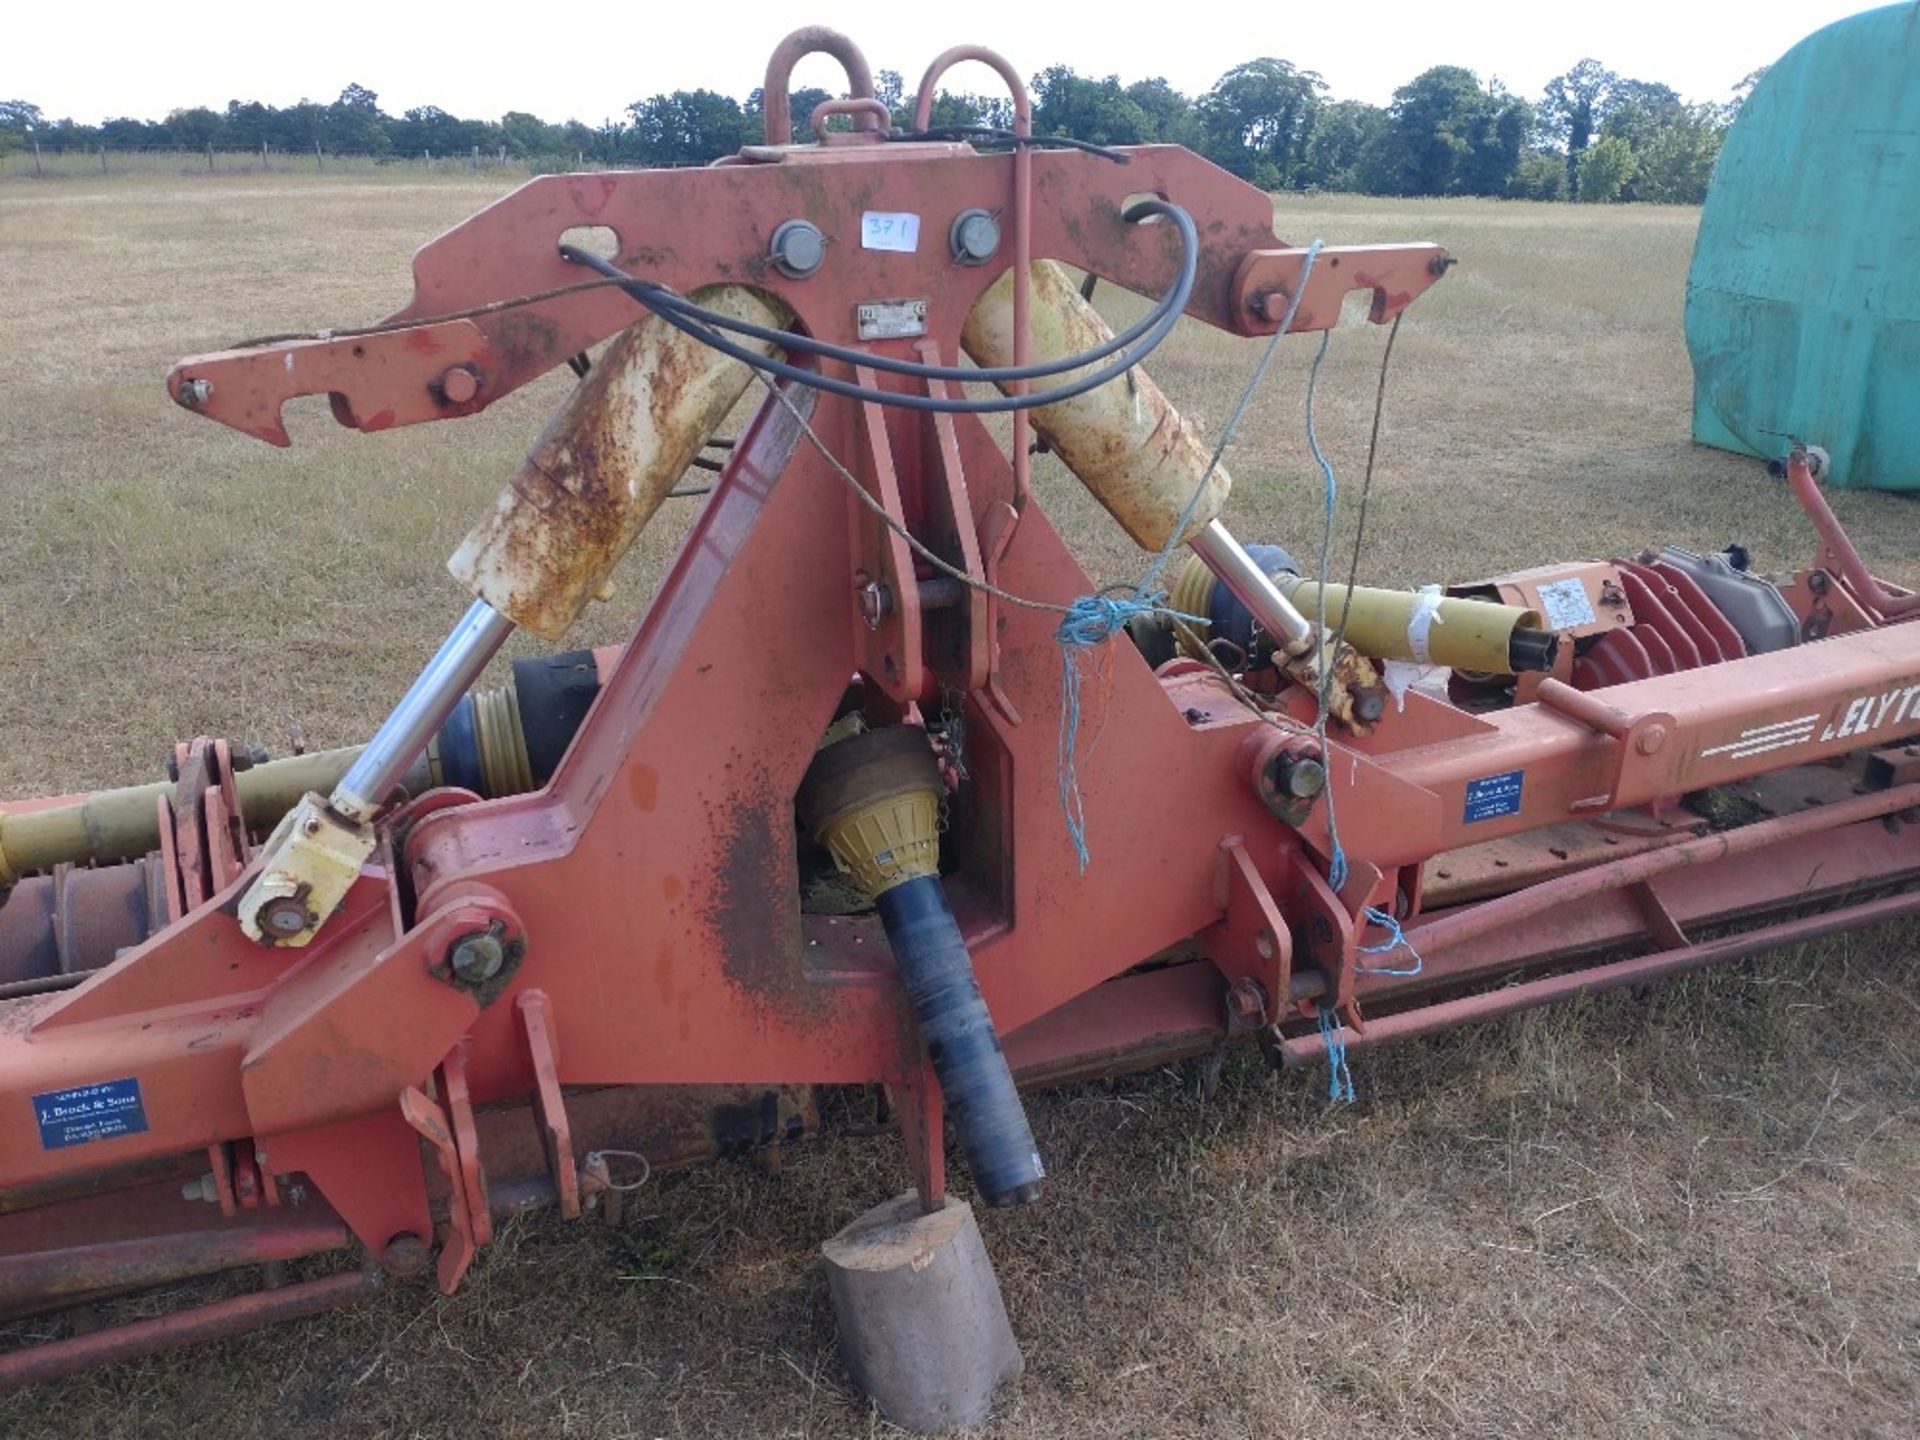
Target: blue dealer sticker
89,1112
1494,795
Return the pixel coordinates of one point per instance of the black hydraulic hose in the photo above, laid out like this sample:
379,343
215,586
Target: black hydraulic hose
1159,319
700,323
958,1033
1000,136
781,369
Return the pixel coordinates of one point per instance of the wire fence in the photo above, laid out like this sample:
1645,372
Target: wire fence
47,163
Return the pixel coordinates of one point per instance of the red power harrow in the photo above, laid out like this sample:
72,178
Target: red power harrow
369,1002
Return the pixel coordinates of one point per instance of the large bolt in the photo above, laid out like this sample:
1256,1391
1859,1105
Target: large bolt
459,384
195,393
284,917
1302,776
1246,1003
477,958
406,1254
876,603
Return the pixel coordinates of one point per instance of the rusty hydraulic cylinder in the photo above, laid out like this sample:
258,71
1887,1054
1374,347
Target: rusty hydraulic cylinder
1126,442
586,490
600,470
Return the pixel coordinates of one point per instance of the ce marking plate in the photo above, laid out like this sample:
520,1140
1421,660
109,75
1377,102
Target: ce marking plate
891,319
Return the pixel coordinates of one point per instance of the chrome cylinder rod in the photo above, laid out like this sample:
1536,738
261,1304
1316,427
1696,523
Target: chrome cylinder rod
1250,585
421,711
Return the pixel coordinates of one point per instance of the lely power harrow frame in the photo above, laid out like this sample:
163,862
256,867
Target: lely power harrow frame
216,1051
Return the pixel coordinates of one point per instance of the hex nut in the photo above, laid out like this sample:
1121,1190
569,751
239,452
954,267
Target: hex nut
477,958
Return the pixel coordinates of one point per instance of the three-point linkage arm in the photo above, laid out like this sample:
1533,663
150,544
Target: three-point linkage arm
500,299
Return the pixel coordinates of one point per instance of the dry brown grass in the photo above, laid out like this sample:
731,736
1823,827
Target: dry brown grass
1689,1211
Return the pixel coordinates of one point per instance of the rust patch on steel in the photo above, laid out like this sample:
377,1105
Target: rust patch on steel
754,905
528,340
600,470
643,785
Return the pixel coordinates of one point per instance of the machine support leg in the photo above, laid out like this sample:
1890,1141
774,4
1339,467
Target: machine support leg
923,1331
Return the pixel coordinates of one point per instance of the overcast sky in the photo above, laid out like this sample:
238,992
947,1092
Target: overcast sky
588,61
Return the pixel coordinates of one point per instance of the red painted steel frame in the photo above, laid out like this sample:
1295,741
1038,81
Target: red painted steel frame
655,879
688,228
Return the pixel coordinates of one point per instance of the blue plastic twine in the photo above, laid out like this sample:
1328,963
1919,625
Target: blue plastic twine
1396,940
1339,1078
1091,620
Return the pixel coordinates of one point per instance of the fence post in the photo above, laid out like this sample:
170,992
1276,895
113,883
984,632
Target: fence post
263,156
429,162
319,162
476,159
103,159
209,157
36,155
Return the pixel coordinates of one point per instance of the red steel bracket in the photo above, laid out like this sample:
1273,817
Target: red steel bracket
922,1112
373,381
447,1125
1636,736
431,1124
460,344
1396,275
951,528
399,1012
1251,944
886,615
535,1012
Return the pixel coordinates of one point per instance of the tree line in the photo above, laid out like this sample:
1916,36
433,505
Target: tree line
1592,135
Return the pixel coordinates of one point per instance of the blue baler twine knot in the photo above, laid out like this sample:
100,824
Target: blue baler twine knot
1339,1077
1091,619
1396,939
1088,622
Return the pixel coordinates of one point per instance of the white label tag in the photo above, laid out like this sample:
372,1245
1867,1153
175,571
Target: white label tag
1565,604
890,230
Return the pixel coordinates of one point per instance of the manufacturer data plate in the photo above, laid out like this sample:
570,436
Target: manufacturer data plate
1565,604
891,319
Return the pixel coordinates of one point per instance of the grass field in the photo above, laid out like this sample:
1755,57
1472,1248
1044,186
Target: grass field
1690,1211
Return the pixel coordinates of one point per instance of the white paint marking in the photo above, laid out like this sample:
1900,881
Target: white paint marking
1750,751
1766,737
